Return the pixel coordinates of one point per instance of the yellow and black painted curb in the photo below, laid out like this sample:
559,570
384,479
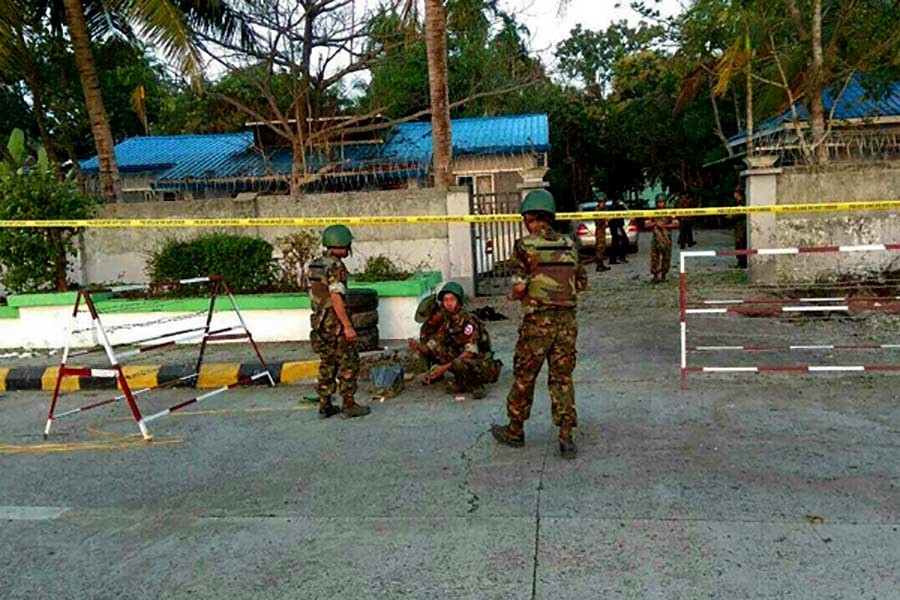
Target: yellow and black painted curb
211,376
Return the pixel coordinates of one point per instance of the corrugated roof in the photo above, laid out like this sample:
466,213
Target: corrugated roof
230,156
854,103
155,153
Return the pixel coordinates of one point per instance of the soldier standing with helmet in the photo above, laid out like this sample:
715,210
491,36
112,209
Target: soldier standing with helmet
661,246
547,276
600,226
331,331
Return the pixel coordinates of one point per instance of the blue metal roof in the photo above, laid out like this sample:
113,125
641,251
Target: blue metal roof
854,103
156,153
407,147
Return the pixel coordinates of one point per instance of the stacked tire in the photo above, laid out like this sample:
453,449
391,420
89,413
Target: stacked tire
363,307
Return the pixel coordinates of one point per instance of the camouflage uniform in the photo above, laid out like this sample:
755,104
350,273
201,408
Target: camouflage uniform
466,333
547,263
600,226
661,248
433,337
339,359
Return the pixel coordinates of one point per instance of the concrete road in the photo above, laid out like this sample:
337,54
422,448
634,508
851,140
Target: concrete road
770,487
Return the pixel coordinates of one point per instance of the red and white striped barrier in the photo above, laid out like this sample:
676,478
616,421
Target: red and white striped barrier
772,306
204,334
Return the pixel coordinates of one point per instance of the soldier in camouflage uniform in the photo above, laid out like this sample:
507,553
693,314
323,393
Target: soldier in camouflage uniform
331,330
547,276
432,344
600,226
469,344
661,246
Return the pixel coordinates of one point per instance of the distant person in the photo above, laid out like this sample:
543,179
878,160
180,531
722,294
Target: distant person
600,226
619,237
739,223
661,245
332,335
686,227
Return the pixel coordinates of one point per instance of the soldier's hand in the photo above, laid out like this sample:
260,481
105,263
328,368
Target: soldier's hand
413,345
350,334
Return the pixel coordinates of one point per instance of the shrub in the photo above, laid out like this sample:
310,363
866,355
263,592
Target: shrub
297,251
381,268
245,262
33,260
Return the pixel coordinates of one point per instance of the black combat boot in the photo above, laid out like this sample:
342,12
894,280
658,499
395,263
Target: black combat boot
327,409
567,448
509,435
351,409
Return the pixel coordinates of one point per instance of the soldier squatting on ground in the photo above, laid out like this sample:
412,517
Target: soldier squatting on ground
547,277
466,342
331,331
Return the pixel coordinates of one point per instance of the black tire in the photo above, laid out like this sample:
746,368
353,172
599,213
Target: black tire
364,320
362,300
367,339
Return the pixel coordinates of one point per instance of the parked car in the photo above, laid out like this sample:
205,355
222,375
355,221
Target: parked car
583,232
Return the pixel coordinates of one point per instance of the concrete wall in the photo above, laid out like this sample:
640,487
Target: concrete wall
834,183
121,254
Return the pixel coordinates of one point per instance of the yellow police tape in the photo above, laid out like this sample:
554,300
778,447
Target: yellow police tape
439,219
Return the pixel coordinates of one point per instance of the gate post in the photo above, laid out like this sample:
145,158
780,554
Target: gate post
459,236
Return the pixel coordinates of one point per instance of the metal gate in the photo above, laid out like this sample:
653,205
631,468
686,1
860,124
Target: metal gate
492,243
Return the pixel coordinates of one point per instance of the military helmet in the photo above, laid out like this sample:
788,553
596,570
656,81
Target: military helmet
598,195
337,236
538,200
660,196
426,308
451,287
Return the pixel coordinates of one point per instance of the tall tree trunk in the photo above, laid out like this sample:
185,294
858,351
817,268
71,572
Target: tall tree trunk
40,117
76,167
436,46
749,84
93,100
816,87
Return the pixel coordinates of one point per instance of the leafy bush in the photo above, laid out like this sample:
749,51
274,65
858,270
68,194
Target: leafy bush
245,262
297,251
34,260
381,268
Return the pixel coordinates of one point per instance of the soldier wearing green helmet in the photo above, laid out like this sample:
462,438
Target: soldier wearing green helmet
431,346
472,360
600,226
661,246
546,279
331,330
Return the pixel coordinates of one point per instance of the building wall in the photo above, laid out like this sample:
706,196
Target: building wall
833,183
109,255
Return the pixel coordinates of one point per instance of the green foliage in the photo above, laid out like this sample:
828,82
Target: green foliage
381,268
34,260
297,250
245,262
486,52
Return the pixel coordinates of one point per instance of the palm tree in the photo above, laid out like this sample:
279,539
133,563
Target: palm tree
436,47
167,24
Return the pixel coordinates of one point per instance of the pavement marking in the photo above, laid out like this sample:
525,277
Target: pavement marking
32,513
4,371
